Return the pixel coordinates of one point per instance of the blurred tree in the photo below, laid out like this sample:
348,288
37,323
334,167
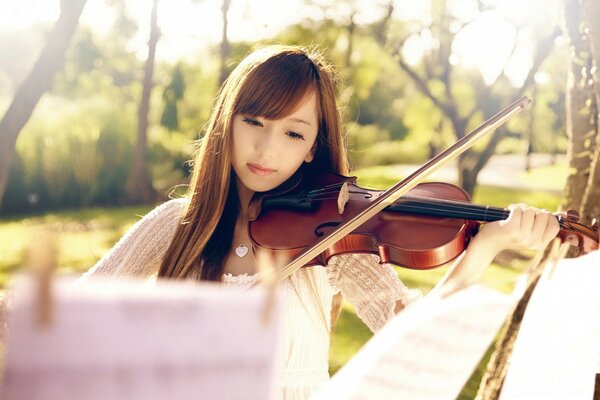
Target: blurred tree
36,84
139,184
225,46
224,49
590,206
172,94
441,83
582,106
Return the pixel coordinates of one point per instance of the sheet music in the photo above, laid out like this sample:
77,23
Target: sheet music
556,353
111,340
426,352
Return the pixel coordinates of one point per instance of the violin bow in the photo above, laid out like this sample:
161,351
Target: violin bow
392,194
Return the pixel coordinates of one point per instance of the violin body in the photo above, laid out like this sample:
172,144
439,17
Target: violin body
409,240
426,228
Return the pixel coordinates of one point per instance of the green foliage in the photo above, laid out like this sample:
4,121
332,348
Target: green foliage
96,65
369,145
169,153
194,108
77,157
171,96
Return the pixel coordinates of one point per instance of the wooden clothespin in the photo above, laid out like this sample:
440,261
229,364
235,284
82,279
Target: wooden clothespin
42,262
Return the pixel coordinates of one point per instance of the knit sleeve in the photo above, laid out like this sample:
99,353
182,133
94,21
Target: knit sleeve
372,288
140,251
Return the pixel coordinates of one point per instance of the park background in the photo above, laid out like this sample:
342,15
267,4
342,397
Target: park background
103,101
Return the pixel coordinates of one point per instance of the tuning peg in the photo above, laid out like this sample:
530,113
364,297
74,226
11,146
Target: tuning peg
572,215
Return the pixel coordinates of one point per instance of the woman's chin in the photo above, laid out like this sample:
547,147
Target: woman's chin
259,186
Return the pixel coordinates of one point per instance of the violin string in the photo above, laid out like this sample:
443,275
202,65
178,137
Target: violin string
438,204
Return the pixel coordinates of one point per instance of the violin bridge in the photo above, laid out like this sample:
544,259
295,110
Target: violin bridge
343,198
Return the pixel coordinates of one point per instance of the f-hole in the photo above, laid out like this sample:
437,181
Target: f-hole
320,233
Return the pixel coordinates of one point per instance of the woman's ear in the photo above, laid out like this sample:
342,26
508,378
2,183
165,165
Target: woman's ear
311,154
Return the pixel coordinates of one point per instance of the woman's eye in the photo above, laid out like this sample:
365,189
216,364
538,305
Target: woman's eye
295,136
252,122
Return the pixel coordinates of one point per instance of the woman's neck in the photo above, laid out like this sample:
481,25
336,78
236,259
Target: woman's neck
244,195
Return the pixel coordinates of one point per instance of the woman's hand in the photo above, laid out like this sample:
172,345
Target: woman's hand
525,228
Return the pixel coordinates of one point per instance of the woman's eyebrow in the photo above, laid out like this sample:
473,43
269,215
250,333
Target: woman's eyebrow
299,120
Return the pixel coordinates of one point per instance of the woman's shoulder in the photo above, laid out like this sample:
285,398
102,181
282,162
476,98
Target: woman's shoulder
169,207
139,251
166,216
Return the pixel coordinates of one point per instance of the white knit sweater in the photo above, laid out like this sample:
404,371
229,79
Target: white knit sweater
372,288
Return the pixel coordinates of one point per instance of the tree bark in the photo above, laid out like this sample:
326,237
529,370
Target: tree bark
581,108
139,184
590,207
36,84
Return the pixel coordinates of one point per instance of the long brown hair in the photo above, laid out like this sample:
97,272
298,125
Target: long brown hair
270,82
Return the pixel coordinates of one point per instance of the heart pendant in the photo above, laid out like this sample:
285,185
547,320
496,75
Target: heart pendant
241,250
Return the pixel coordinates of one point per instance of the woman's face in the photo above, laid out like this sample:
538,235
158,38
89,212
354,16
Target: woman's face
267,152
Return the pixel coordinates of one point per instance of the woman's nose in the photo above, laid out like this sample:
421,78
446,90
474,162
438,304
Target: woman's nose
265,146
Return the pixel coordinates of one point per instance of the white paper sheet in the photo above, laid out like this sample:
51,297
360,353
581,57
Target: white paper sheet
426,352
556,352
112,340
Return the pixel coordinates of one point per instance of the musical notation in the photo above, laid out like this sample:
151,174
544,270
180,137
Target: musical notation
426,352
129,340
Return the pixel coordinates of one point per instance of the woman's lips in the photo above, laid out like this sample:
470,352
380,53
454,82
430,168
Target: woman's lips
259,169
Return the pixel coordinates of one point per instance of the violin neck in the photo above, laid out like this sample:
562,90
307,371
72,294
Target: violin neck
448,209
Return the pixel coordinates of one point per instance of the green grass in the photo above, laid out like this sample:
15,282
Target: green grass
551,176
83,236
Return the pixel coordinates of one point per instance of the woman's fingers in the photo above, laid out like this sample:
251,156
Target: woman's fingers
539,228
528,218
552,229
514,218
531,227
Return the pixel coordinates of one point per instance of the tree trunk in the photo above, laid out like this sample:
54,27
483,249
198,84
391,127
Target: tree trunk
581,108
139,185
224,42
350,48
36,84
590,207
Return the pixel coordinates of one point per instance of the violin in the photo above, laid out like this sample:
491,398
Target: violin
426,228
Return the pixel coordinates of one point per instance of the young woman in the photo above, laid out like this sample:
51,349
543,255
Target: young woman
275,114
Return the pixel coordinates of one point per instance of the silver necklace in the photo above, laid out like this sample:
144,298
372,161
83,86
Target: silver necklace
241,250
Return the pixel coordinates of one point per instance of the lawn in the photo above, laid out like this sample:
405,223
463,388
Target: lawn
84,235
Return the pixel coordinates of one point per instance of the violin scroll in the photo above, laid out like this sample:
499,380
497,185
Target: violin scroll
584,237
